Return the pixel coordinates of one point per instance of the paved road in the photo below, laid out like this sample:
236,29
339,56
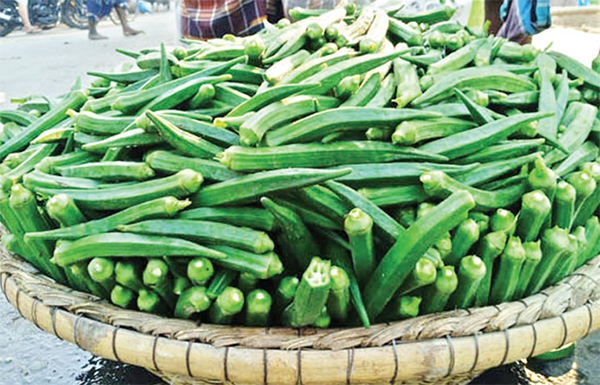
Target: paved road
48,64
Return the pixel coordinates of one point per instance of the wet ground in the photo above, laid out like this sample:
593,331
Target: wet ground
48,64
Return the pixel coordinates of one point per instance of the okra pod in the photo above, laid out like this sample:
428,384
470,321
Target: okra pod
258,308
150,302
470,273
122,296
424,273
128,245
200,270
564,205
64,211
161,207
465,236
117,170
555,245
358,226
566,264
222,279
311,295
435,296
229,303
128,275
489,249
503,220
507,277
535,208
192,301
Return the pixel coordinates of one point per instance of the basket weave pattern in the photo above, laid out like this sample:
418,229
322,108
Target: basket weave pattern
448,347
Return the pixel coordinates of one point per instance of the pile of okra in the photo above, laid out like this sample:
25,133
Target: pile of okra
352,166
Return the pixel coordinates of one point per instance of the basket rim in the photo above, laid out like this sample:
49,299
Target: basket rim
456,344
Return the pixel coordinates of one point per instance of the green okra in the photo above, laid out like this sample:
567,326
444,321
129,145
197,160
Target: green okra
192,301
490,247
465,236
439,184
255,218
200,270
64,211
247,282
543,178
338,302
51,163
185,142
555,245
161,207
41,152
533,256
592,246
503,220
358,226
565,266
470,273
128,245
229,303
507,276
122,296
252,186
295,238
127,274
423,274
584,186
535,208
258,308
221,279
285,292
311,295
205,232
150,302
410,247
102,270
563,209
118,170
435,296
180,284
182,184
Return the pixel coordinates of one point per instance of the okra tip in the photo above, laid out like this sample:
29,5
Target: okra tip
174,205
472,266
432,181
20,196
275,266
358,222
190,180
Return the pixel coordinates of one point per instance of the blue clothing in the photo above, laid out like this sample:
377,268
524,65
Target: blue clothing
97,9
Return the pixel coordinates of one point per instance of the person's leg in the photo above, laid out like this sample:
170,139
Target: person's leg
24,13
127,30
93,31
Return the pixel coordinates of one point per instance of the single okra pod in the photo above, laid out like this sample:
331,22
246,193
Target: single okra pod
535,208
180,284
555,245
503,220
423,274
156,272
584,186
122,296
592,247
286,290
490,247
62,209
128,275
507,277
338,302
254,218
324,319
565,266
258,308
150,302
102,270
311,295
564,205
128,245
221,279
435,296
264,266
358,225
591,204
229,303
182,184
482,220
465,236
470,273
117,170
533,256
200,270
247,282
192,301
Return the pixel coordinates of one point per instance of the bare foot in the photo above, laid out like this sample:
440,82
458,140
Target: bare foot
131,31
32,30
96,36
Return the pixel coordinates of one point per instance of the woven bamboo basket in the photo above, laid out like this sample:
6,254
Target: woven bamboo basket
449,347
